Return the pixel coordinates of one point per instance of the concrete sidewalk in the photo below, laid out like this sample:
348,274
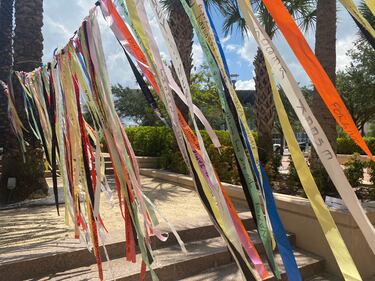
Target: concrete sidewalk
32,231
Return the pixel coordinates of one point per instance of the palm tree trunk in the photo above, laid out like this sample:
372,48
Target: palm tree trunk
6,28
325,50
28,51
264,108
183,34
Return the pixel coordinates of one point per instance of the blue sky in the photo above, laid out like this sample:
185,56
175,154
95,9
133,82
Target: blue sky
63,17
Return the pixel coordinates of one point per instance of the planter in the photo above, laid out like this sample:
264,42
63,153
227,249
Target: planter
299,218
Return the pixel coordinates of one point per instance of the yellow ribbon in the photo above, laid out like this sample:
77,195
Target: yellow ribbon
331,232
371,5
353,10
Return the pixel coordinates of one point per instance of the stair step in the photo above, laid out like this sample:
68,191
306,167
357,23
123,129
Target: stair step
308,264
74,254
324,277
108,170
144,162
171,263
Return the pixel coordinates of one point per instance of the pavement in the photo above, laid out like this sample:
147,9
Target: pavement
34,228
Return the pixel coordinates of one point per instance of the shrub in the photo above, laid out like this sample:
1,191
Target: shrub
160,142
354,170
371,171
346,145
272,167
276,162
324,183
149,141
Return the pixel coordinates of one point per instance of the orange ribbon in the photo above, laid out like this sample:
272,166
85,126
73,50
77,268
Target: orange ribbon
316,72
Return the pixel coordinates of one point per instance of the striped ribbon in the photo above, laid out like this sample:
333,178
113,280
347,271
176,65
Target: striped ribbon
309,123
233,108
366,28
316,72
330,230
371,5
155,54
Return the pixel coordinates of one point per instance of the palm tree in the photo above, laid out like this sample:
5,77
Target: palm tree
183,34
182,31
325,51
303,11
28,51
6,29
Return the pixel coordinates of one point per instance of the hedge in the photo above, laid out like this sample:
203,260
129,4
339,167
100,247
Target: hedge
149,141
160,141
348,146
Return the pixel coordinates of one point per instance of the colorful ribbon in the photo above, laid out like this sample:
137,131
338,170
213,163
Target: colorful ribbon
314,69
330,230
132,8
366,28
309,123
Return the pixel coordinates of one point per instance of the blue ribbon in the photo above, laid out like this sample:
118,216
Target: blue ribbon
217,39
281,238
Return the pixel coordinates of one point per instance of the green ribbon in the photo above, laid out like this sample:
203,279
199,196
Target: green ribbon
239,149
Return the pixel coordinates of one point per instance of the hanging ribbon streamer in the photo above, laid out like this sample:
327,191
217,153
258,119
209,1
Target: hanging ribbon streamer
54,148
330,230
127,41
15,121
242,160
371,5
78,72
309,123
132,8
244,167
366,28
145,90
279,231
314,69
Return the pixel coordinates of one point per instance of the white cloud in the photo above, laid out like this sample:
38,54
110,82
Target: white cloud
57,28
225,39
231,47
248,49
85,5
60,23
342,46
198,57
245,84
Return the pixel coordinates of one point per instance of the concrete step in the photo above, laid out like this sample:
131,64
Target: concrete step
172,264
108,170
308,264
143,162
324,277
75,256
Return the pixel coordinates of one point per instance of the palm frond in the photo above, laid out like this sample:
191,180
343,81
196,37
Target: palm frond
303,11
367,13
233,20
